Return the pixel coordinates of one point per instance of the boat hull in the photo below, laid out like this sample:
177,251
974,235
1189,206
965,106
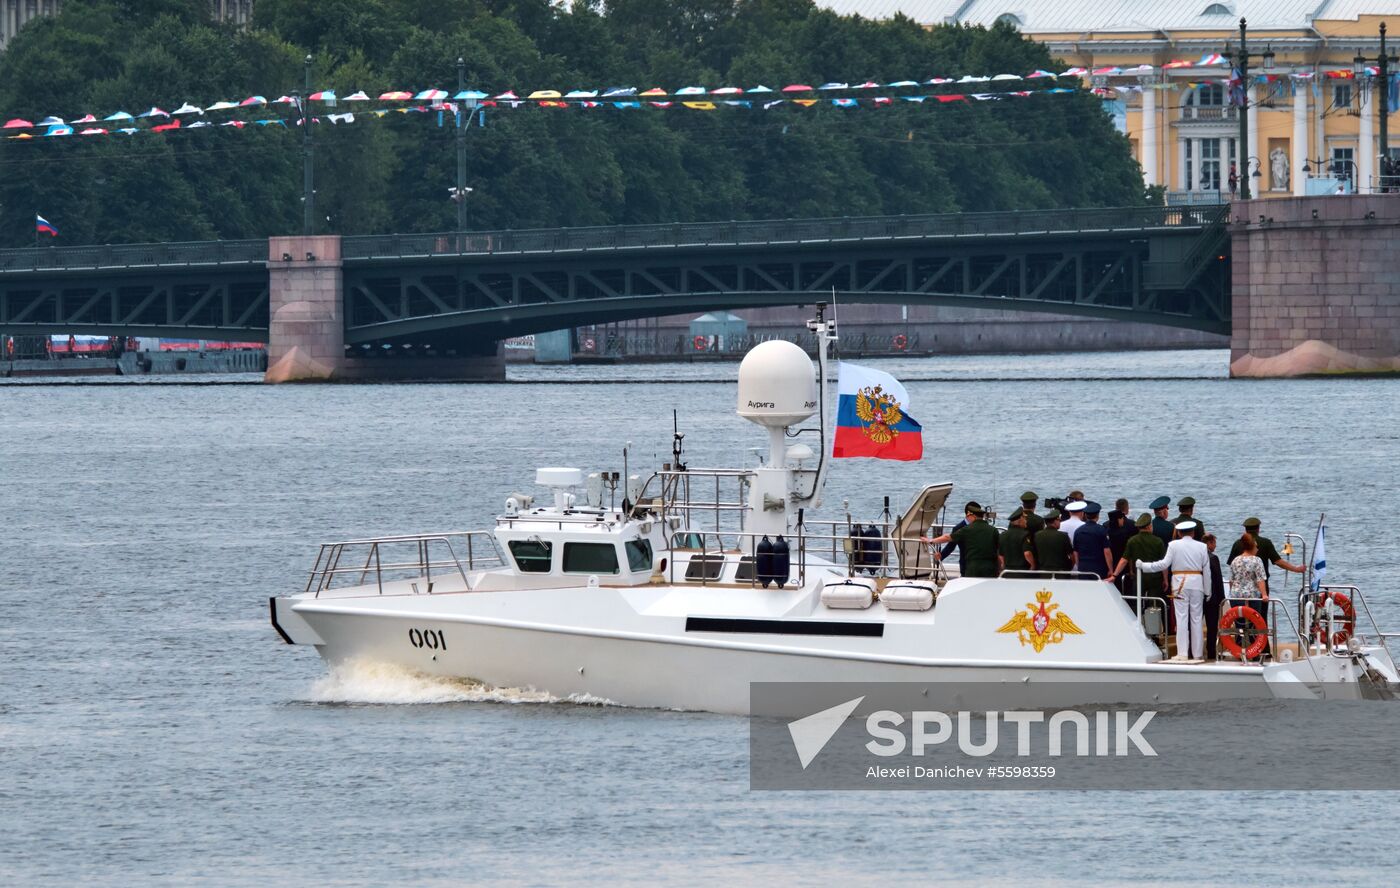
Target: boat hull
709,673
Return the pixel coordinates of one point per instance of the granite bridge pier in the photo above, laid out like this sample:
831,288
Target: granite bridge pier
1302,286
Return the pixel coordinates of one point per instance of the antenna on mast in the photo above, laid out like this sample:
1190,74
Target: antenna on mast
677,442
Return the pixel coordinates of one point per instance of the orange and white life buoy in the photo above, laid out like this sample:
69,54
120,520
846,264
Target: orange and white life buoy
900,342
1347,623
700,343
1256,619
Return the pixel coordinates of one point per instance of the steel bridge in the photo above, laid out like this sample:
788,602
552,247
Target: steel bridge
1161,265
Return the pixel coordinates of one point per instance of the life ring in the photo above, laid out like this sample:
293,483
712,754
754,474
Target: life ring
700,343
1256,619
900,342
588,344
1348,622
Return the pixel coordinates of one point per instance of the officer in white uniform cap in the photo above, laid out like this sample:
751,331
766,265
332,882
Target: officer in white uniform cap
1075,519
1189,561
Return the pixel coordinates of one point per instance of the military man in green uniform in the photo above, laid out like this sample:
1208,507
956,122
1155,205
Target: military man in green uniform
1164,529
978,540
1051,548
1012,546
1144,545
1186,509
1034,523
1267,553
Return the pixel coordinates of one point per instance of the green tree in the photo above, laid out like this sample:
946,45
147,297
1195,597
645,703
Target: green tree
529,166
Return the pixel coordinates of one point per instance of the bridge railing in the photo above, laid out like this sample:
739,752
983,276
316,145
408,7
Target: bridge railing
782,232
194,254
775,232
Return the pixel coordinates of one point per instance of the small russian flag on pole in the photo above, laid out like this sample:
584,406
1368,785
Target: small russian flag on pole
42,226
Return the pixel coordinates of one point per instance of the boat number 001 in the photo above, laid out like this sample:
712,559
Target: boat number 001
427,638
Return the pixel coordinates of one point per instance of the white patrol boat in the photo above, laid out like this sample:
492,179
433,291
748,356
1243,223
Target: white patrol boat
700,581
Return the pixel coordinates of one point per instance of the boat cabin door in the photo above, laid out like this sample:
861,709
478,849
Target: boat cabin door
920,520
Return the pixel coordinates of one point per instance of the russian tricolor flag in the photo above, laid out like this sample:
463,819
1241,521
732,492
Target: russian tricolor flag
872,417
42,226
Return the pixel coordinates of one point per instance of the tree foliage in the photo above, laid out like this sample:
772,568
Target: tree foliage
529,167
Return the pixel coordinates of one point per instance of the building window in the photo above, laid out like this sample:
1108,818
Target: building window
1007,18
1190,183
1341,95
1344,163
1218,9
1210,165
532,556
590,558
638,555
1212,95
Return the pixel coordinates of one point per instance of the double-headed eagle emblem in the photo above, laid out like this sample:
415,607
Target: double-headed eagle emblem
1038,626
879,412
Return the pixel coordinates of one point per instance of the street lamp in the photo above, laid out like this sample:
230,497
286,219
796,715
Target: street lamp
1310,162
308,181
1383,62
1243,63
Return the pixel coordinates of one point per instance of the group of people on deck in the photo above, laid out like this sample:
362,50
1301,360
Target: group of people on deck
1171,557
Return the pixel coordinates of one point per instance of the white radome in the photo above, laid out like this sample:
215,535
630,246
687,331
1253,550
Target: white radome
777,385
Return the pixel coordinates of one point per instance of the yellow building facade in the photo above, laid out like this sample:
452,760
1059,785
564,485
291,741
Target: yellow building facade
1312,125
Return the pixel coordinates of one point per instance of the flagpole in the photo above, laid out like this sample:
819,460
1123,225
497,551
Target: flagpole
36,229
1321,522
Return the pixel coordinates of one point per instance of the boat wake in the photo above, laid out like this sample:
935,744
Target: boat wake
379,683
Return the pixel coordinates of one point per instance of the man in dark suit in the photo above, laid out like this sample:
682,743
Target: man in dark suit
1217,594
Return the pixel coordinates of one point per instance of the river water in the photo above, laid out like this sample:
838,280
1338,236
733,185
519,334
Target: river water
154,730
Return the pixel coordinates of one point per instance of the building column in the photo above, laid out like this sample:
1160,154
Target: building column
1150,134
1299,152
1366,144
1181,183
1195,165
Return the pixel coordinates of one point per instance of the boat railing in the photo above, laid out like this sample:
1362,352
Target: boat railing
836,541
842,544
1288,541
1050,575
687,495
1322,622
712,550
397,558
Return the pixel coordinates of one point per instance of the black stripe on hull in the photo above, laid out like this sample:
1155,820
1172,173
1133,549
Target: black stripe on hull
272,606
785,627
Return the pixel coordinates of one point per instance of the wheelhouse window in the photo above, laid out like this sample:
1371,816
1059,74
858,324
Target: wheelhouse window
590,558
638,555
704,568
532,556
